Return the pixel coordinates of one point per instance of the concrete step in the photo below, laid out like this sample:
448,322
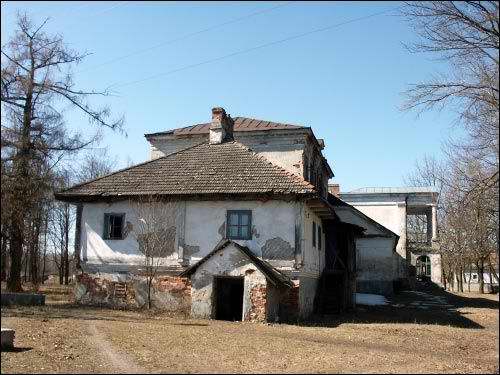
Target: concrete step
7,338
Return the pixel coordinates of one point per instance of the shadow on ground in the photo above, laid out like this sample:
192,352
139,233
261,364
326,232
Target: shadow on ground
409,314
81,312
16,350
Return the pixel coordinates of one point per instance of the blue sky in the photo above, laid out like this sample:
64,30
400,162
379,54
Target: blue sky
344,82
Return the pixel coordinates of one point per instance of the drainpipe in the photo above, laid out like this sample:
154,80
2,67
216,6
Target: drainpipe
407,252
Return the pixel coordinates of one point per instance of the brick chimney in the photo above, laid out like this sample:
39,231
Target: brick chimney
334,189
221,129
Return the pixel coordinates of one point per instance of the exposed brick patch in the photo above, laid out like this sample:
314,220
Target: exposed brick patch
258,299
171,292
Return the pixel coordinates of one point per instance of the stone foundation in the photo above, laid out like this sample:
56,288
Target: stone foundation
170,293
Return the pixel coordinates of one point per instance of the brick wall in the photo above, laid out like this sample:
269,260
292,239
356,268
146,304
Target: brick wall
257,312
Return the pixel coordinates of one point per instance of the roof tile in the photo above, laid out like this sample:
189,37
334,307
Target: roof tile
202,169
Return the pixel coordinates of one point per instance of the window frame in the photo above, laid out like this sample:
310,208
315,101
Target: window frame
107,225
240,213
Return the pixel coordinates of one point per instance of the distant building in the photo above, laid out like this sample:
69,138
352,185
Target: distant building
410,213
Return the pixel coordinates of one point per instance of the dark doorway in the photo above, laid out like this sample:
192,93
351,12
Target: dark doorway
228,298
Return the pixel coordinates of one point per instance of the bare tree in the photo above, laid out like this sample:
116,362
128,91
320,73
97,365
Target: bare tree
61,221
155,234
94,164
35,77
466,35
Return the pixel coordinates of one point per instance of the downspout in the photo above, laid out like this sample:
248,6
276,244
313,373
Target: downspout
407,252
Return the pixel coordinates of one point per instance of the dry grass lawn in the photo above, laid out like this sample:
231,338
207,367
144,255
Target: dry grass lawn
64,338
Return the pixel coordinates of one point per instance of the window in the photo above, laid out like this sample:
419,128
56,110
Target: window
113,226
423,266
239,224
314,234
319,237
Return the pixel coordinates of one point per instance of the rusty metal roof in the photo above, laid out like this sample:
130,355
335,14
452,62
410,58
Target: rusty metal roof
241,124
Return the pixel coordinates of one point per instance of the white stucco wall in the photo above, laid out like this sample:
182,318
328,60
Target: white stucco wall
198,230
393,217
282,149
436,270
314,259
374,258
376,261
205,224
96,250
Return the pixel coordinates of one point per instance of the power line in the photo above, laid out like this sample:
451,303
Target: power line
254,48
119,58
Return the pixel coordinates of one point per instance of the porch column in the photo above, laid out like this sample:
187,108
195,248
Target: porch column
434,222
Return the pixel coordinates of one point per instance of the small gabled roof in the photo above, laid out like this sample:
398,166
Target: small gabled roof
241,124
204,169
271,273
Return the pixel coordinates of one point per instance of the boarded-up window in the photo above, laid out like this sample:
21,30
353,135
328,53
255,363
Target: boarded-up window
113,226
239,224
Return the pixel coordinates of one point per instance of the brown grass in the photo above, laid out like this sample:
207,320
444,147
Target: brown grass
61,338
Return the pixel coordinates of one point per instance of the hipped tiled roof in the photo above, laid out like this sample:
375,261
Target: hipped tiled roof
227,168
241,124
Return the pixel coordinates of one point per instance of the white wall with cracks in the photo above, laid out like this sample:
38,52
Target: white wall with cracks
200,225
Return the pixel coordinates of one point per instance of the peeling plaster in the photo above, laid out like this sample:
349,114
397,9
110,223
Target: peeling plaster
255,232
222,230
190,250
277,249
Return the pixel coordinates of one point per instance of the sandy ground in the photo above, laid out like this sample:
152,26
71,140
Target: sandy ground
61,337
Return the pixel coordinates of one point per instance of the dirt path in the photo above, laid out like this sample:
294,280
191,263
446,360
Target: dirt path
122,363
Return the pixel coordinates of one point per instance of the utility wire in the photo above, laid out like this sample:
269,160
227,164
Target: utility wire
253,48
186,36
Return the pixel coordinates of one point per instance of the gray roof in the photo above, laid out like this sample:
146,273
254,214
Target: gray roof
271,273
241,124
227,168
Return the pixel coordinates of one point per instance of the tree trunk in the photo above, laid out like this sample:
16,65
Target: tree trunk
461,279
44,253
3,259
66,245
34,256
78,226
16,254
470,277
492,268
480,276
26,260
149,292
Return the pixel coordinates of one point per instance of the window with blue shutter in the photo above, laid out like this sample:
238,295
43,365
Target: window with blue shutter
239,224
